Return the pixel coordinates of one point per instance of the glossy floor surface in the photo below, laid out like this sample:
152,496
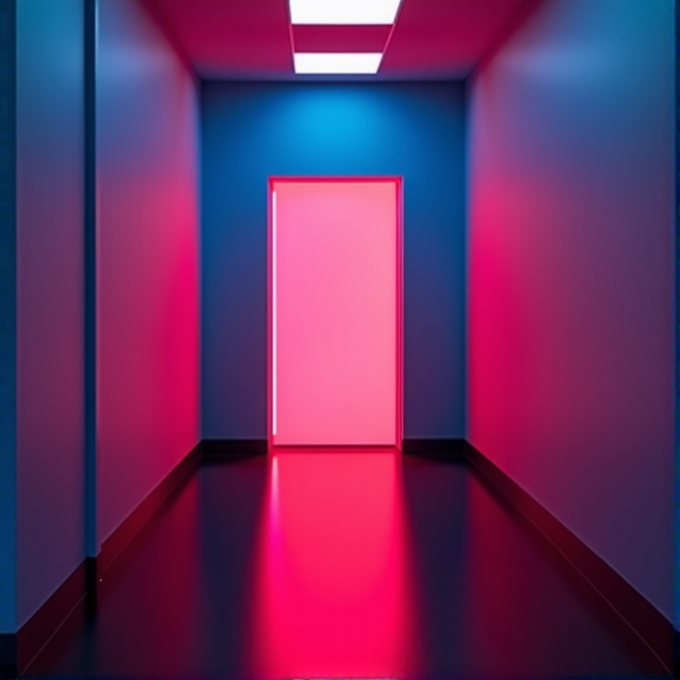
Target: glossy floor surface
331,564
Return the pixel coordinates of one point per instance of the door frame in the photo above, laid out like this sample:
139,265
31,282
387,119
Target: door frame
399,182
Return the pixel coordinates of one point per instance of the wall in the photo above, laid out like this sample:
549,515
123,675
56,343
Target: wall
571,340
253,131
50,457
148,312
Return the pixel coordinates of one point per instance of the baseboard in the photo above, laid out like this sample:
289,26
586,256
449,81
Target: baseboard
19,649
134,522
8,655
642,616
217,448
439,448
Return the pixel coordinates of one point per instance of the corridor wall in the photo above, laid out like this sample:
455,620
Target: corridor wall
49,303
148,262
147,282
571,274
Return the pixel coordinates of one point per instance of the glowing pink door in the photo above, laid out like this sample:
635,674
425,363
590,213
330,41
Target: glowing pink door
335,312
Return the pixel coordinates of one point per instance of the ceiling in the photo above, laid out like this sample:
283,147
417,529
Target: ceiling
253,39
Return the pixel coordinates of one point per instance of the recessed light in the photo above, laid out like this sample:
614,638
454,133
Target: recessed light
337,62
343,11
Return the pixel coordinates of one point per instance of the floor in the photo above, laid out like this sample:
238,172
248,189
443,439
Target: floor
355,564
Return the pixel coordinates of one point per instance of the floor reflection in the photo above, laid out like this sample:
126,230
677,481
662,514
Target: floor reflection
332,564
334,587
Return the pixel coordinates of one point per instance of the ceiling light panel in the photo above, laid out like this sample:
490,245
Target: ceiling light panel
343,12
337,62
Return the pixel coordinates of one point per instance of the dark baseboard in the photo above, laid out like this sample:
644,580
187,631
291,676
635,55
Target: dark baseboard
136,520
454,449
81,587
19,649
38,630
8,655
652,626
91,584
217,448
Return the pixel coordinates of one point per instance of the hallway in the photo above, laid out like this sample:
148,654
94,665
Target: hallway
354,564
172,307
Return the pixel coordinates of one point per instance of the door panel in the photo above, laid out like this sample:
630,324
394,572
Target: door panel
334,312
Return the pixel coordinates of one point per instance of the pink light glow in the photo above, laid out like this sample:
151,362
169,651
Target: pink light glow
335,318
335,589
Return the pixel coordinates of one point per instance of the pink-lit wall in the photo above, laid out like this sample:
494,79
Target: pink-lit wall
571,274
148,268
334,323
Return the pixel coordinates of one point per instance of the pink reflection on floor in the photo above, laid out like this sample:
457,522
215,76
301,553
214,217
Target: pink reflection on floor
334,585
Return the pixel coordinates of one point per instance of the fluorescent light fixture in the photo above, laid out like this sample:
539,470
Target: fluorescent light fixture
343,11
337,62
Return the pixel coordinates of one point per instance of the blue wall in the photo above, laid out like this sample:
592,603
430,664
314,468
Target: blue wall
252,131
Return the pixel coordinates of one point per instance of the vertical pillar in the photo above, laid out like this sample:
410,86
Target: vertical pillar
676,523
92,534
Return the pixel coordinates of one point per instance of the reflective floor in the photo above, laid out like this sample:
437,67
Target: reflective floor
331,564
